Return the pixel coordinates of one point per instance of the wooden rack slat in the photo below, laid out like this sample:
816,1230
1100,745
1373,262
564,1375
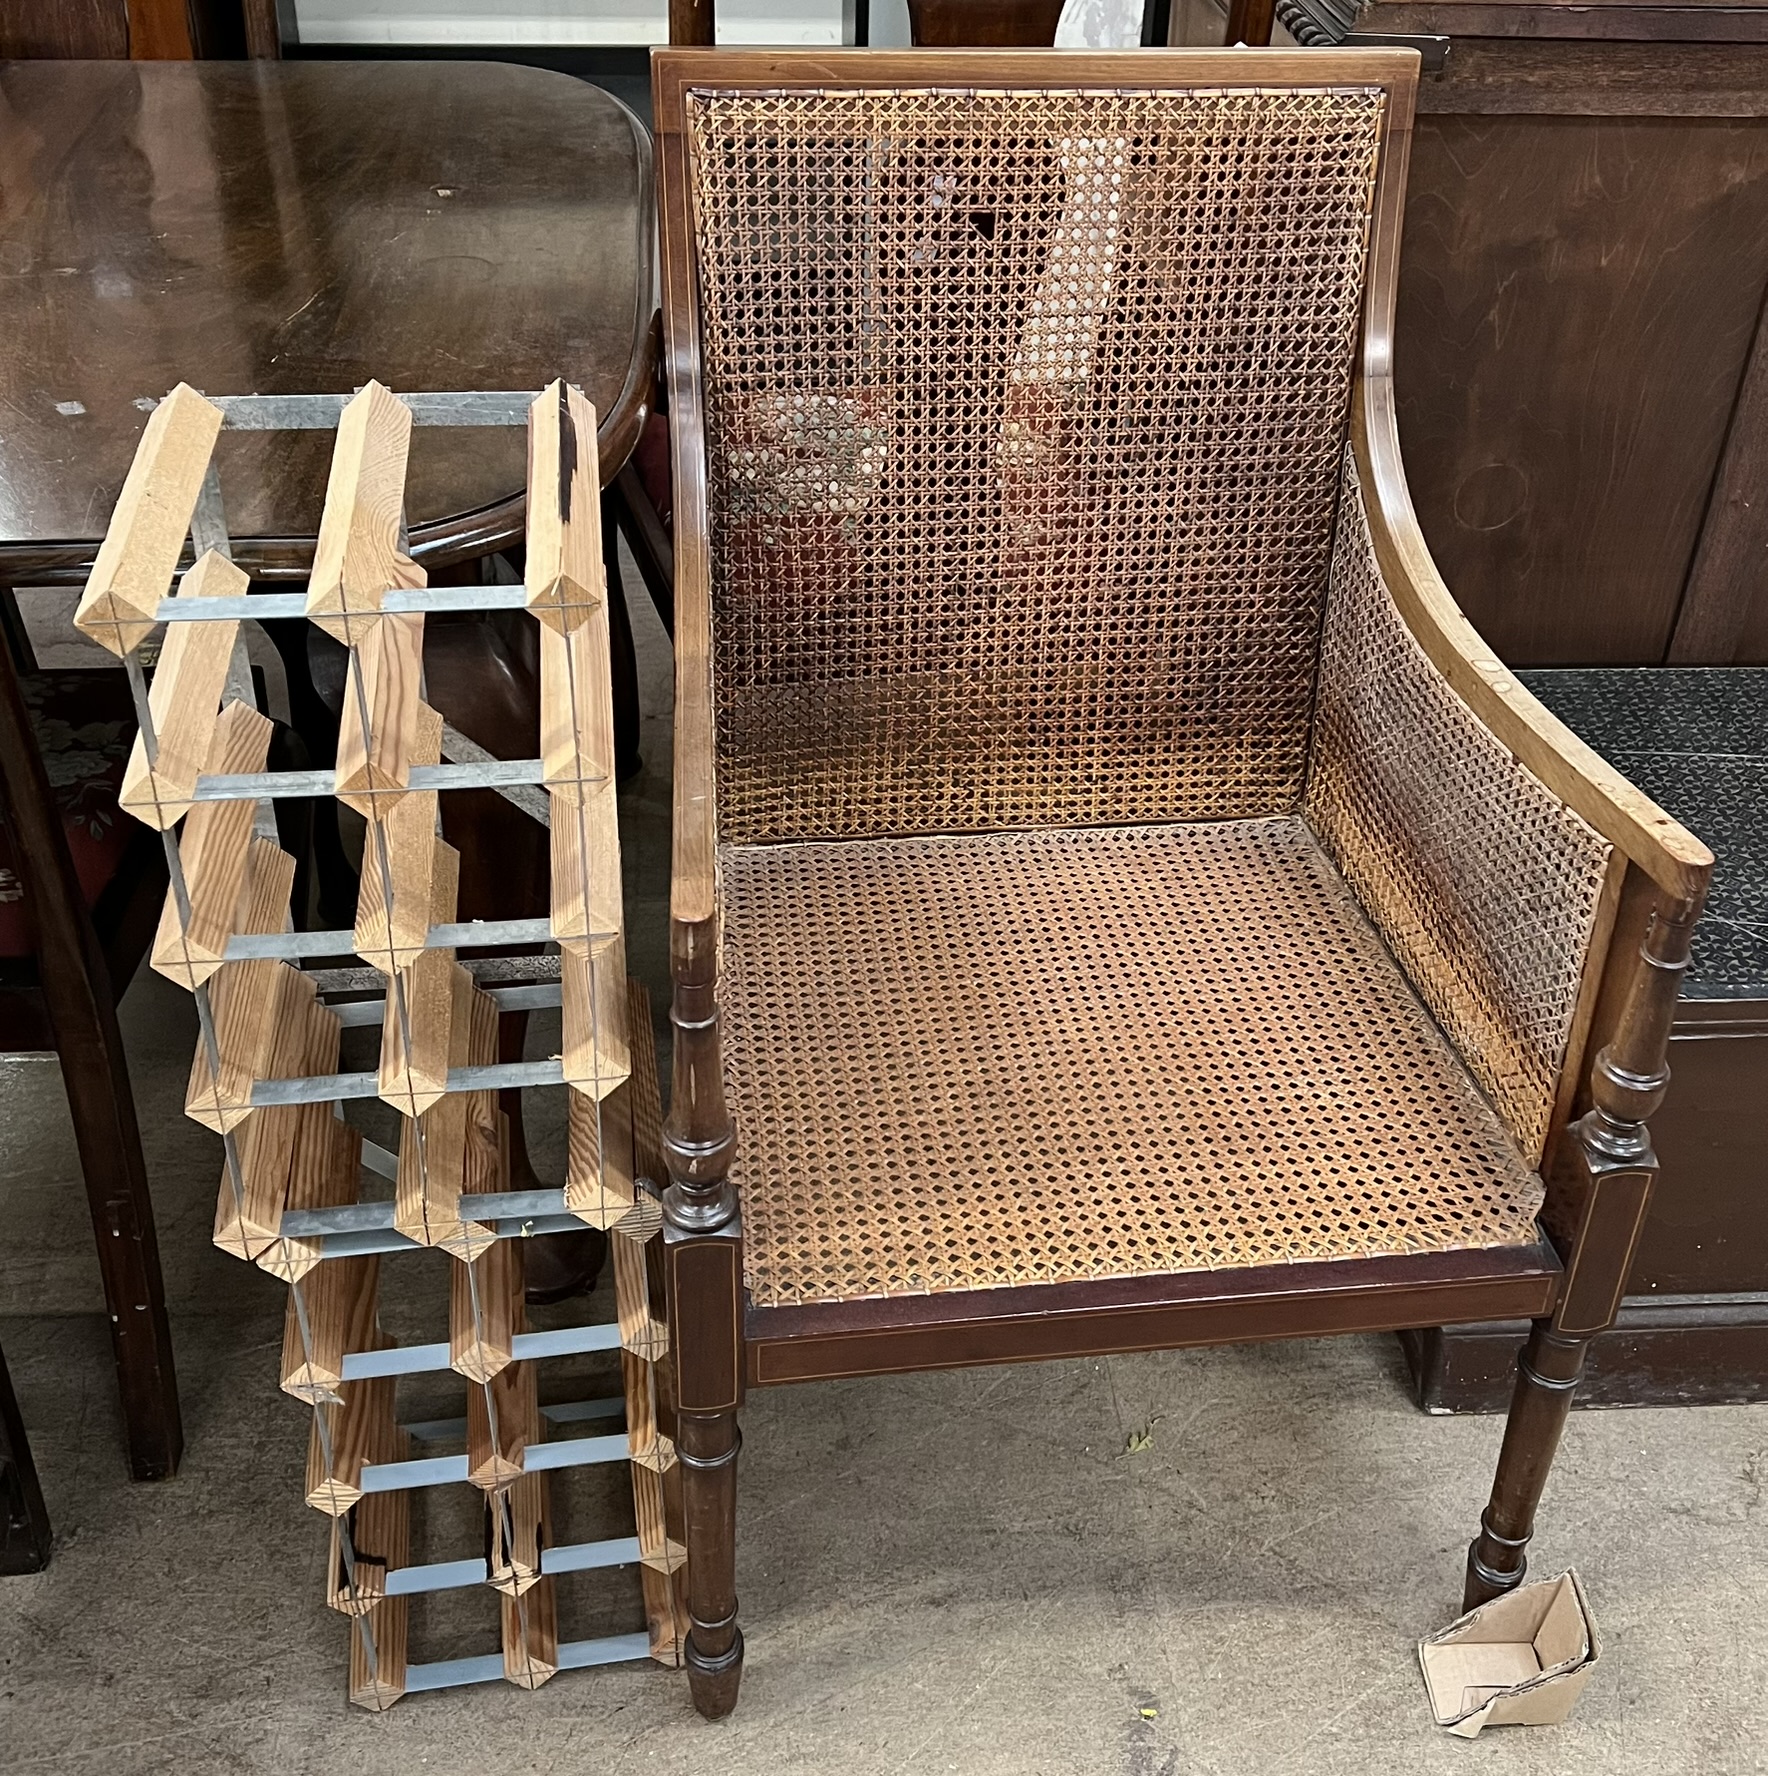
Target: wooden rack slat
185,699
147,529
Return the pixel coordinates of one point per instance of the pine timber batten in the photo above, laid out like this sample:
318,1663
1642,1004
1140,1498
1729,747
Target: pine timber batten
531,1636
357,557
216,852
449,1148
518,1535
361,1431
405,851
482,1313
380,726
185,700
248,1211
325,1172
567,594
416,1042
337,1302
503,1421
251,1001
142,546
379,1530
377,1655
563,576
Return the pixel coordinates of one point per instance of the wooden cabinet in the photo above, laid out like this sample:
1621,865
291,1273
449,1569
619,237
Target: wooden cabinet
1582,367
1581,357
1694,1325
1581,361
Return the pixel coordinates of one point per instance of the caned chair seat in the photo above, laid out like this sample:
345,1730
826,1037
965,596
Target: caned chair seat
984,1060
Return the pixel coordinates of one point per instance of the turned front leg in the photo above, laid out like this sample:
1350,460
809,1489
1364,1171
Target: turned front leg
703,1250
1612,1149
1547,1375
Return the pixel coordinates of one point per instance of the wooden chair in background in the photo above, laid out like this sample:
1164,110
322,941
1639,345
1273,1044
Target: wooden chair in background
1125,904
956,24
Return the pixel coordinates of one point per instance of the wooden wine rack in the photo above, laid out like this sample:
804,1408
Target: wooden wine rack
271,1005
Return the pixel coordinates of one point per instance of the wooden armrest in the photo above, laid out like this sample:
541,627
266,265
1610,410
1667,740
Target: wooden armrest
1664,849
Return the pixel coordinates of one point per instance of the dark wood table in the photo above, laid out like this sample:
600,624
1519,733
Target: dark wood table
298,227
267,227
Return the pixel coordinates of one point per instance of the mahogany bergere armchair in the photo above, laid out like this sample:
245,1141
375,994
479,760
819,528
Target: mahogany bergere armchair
1120,900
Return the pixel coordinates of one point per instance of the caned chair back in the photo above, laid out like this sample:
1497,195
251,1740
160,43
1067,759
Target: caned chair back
1024,400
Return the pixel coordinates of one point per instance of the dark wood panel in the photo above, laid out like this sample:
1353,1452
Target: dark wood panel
1494,77
1727,596
964,24
161,31
1708,1231
1577,297
1680,1351
91,29
1752,641
1619,20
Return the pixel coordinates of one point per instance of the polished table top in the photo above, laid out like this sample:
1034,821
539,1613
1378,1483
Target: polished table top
300,227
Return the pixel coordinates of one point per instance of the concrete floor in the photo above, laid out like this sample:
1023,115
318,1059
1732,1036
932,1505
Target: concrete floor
963,1572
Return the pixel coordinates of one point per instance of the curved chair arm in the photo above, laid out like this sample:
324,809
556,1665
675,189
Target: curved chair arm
1664,849
1493,849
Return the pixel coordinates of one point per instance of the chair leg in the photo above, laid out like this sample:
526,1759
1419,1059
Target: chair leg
707,1445
1547,1374
82,1011
703,1262
1614,1168
24,1519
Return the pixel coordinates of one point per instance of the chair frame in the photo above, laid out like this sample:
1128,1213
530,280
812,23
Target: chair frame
1599,1163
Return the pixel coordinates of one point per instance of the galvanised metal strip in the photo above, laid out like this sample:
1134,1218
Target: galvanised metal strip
424,1359
573,1655
255,786
465,934
266,607
461,1575
447,1470
332,1088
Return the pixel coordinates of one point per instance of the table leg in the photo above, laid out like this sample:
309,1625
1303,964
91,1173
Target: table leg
622,658
24,1519
82,1015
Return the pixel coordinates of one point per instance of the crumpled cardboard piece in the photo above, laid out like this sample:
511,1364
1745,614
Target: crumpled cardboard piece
1519,1661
